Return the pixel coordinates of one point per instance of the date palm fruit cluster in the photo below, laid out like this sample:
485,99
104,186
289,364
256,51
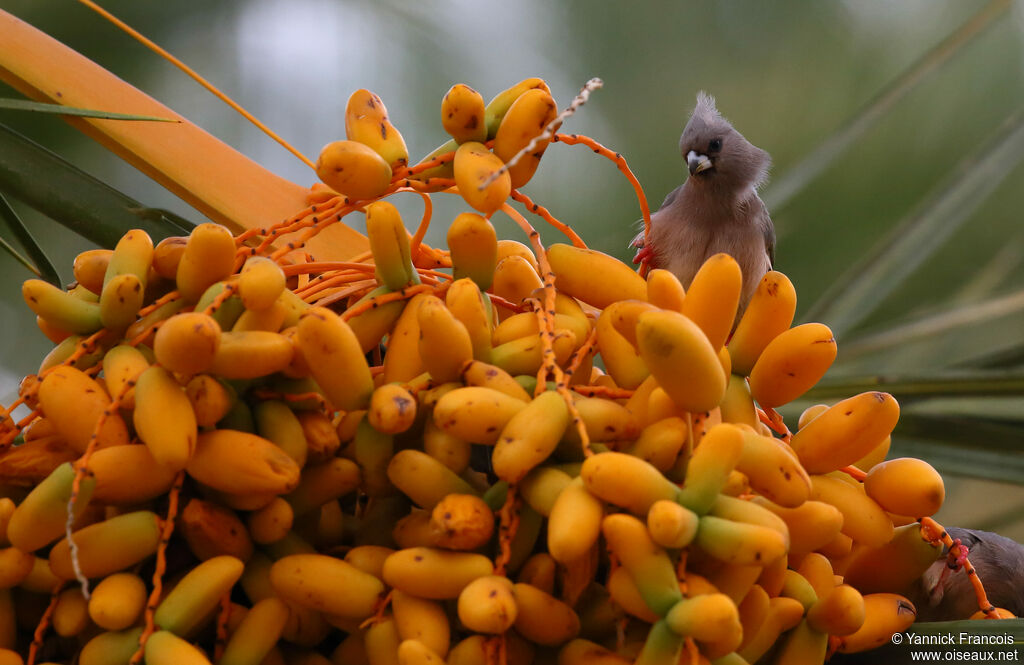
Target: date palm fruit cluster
226,463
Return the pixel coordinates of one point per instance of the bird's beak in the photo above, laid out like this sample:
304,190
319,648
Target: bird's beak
697,163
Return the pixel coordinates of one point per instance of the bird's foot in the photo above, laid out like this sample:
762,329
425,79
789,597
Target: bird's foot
957,555
643,254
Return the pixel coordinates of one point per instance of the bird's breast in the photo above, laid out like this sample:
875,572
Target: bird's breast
683,247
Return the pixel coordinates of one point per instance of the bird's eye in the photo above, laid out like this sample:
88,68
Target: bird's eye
715,145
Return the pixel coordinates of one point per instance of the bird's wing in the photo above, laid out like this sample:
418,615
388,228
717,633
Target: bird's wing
638,240
671,197
764,221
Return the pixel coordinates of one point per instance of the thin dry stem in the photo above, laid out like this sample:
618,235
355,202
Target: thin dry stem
549,130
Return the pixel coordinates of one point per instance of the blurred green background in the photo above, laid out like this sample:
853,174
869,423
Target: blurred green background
922,113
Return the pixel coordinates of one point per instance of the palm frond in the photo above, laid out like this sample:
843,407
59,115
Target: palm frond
45,181
972,433
967,383
19,257
1002,408
963,458
39,263
793,181
994,272
60,109
1004,518
861,289
1011,356
933,324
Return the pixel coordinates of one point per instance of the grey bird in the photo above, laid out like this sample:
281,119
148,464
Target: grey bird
943,594
717,208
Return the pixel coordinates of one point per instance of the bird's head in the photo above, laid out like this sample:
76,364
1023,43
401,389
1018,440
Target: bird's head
715,152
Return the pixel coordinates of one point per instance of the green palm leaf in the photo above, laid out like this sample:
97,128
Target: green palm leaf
927,327
39,263
58,109
798,177
44,181
969,383
857,293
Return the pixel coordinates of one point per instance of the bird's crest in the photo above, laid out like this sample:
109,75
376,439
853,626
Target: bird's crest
706,109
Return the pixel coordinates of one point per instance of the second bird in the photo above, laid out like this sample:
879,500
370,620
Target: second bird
717,208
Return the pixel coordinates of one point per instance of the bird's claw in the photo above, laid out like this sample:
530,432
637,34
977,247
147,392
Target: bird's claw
643,254
957,560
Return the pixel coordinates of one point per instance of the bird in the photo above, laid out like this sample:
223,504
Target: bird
945,593
717,208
